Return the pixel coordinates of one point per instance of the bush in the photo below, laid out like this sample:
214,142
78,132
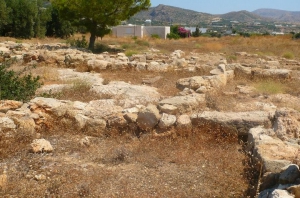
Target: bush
155,36
288,55
296,36
173,36
17,86
78,43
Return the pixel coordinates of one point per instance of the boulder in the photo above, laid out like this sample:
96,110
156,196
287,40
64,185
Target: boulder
286,123
126,94
239,122
98,65
186,103
290,174
148,117
271,73
192,83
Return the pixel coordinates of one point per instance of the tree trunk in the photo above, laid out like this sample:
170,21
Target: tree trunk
92,40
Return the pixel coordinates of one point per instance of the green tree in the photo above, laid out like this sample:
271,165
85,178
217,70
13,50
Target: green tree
98,14
197,33
4,16
24,18
57,27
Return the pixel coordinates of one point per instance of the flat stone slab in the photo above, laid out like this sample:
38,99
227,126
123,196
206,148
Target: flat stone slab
186,103
241,122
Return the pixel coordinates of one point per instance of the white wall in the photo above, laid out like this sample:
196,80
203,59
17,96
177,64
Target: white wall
140,31
161,31
128,30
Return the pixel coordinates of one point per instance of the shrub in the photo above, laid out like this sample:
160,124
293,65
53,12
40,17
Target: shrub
296,36
288,55
142,43
184,33
173,36
197,33
269,87
17,86
155,36
78,43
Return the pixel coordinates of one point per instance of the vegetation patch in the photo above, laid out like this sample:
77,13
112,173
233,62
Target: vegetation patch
269,87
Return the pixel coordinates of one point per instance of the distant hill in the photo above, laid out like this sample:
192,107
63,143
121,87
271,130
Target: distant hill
166,15
243,16
279,15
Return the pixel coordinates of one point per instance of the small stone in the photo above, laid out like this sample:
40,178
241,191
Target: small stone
41,145
40,177
85,141
166,121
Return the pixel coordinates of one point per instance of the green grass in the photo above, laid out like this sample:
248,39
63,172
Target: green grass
288,55
131,52
269,87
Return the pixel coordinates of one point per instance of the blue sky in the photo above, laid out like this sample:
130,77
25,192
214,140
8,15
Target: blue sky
224,6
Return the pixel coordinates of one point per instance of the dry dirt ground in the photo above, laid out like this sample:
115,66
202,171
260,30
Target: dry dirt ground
203,163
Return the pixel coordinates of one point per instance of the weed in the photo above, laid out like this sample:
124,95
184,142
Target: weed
80,43
142,43
130,53
288,55
269,87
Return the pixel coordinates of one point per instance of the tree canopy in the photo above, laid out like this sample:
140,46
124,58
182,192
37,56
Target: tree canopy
97,15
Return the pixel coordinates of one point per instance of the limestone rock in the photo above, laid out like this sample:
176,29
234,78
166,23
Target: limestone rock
85,141
148,117
169,109
117,120
95,127
286,123
185,103
272,73
126,94
6,105
40,177
7,124
280,194
166,121
41,146
184,124
240,122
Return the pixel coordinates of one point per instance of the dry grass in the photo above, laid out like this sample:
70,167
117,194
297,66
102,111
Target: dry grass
206,163
166,85
262,45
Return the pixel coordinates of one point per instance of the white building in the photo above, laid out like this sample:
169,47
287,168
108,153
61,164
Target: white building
140,31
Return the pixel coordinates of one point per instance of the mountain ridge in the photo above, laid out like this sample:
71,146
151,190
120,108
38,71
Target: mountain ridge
279,15
166,15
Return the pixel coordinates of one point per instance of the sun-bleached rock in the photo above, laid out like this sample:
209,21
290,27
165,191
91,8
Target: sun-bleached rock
41,146
7,124
166,121
185,103
239,122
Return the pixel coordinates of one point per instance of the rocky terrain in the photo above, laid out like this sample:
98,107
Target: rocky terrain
268,124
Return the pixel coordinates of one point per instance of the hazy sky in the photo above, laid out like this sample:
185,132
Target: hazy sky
224,6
